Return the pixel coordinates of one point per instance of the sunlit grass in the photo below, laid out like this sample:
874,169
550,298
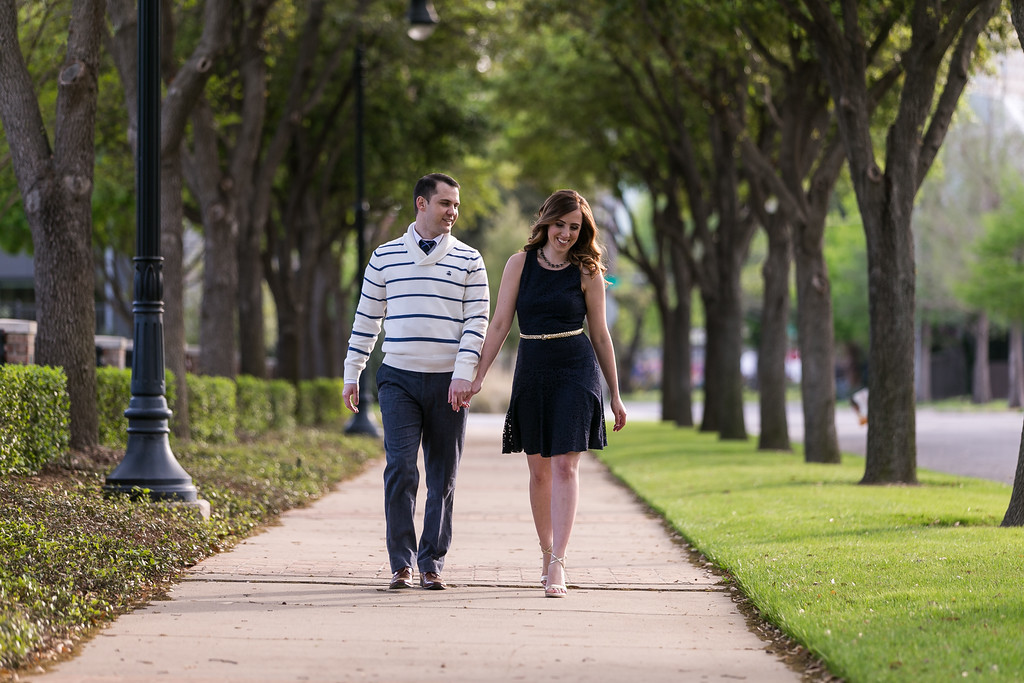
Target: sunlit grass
893,583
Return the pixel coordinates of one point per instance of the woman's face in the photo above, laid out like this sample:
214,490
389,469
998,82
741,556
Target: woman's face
565,230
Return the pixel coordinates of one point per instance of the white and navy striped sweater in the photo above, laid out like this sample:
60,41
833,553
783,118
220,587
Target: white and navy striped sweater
434,308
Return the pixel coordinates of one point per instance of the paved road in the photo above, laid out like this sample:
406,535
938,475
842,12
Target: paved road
983,445
973,444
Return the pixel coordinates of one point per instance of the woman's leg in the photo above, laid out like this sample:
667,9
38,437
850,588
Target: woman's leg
565,496
540,504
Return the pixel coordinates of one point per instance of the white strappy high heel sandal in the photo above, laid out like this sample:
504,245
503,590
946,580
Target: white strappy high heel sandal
557,590
545,562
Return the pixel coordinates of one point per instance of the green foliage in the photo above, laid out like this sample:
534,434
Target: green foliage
981,151
305,412
329,402
255,411
282,400
847,260
320,402
909,583
212,413
114,391
34,417
995,281
70,559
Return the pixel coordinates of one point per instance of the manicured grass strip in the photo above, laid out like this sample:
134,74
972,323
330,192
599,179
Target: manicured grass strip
883,583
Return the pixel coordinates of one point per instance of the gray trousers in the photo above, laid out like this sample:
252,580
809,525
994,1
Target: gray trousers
415,410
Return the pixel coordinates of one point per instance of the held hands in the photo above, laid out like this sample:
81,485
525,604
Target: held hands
459,393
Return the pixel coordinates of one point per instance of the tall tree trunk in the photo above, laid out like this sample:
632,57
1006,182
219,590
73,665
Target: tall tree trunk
711,417
56,188
325,345
252,346
1016,370
291,326
771,357
817,346
173,251
245,171
923,356
981,384
218,342
940,34
317,336
61,225
892,436
730,340
676,383
218,314
677,351
1015,510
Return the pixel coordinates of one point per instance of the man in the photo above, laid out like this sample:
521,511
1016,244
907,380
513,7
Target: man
429,290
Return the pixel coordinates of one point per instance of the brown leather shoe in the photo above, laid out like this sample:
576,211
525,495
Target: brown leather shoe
432,581
401,579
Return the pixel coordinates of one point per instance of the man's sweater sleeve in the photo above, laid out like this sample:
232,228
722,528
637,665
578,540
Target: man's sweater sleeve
367,322
476,309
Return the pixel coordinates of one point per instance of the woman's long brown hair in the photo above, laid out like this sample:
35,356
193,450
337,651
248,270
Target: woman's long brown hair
586,252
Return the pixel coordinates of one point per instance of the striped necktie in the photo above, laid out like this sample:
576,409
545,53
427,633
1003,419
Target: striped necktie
427,245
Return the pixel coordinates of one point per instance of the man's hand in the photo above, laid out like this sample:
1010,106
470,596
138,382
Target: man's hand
350,393
459,393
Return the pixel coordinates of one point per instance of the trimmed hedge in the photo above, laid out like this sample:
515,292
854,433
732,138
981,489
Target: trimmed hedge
113,391
320,402
34,410
260,405
283,401
305,410
211,406
34,417
329,401
255,410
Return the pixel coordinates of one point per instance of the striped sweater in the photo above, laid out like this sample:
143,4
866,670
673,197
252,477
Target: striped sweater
433,307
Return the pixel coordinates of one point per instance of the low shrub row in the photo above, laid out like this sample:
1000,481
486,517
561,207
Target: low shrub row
33,417
34,410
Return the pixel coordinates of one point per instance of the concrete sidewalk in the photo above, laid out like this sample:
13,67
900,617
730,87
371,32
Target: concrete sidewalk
307,600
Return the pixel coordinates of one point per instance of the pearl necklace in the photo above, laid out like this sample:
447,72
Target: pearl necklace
544,258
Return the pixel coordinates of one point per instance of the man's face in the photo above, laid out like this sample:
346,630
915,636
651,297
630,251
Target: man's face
436,217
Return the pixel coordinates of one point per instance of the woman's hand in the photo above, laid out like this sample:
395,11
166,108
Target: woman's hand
619,411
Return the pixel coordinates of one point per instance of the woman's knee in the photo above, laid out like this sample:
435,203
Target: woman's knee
565,466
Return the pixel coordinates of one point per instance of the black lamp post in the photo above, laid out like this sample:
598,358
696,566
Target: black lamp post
148,461
361,422
422,21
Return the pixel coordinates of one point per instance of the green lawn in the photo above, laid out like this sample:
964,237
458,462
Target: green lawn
895,583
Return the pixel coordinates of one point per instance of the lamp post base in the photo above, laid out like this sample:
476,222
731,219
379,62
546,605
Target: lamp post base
362,424
149,468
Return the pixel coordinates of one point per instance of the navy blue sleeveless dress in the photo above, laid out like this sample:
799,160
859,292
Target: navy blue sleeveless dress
557,405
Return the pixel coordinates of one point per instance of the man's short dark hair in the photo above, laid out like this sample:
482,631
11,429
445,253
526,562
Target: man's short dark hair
426,186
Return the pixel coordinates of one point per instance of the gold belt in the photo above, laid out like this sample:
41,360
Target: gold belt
556,335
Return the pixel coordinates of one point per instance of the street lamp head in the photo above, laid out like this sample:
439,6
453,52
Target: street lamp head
422,19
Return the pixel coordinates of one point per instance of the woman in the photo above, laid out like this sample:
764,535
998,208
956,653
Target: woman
556,410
